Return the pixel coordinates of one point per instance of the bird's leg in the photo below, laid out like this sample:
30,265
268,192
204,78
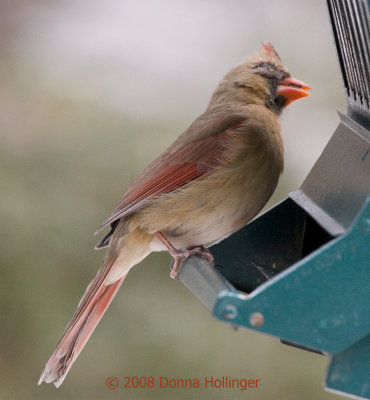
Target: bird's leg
179,256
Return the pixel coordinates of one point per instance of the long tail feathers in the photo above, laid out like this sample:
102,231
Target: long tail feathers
90,309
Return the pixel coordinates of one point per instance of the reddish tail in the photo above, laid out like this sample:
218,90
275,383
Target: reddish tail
88,314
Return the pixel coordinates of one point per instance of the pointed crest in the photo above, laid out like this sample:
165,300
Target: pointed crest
269,49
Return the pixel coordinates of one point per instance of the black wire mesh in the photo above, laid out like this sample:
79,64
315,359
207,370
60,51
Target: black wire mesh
351,30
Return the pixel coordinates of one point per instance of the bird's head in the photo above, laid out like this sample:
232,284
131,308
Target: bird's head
262,79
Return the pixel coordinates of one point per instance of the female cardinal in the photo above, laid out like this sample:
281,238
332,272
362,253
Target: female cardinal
209,183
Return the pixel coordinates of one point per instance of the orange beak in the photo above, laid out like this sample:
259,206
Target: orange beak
292,89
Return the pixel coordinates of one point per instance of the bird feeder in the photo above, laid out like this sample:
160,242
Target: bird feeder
301,270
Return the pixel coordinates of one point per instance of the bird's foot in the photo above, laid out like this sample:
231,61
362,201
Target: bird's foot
182,255
179,256
203,252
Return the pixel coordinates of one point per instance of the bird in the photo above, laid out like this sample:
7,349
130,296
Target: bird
214,178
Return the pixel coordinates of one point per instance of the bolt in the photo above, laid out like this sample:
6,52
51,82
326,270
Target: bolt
256,319
230,311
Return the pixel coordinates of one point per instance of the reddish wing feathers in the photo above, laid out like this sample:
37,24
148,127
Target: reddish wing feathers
178,166
166,179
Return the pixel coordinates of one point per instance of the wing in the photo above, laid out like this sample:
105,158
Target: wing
195,153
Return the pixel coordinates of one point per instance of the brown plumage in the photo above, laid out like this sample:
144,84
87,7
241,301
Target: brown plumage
209,183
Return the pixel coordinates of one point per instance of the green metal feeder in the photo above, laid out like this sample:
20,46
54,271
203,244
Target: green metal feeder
301,270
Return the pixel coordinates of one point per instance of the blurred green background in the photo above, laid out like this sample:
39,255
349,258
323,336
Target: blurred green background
90,93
